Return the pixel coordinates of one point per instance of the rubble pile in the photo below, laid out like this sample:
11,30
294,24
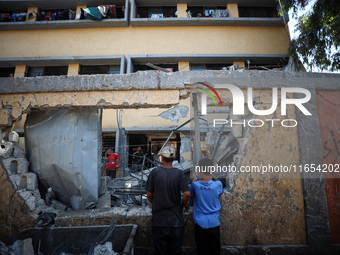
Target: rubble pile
25,183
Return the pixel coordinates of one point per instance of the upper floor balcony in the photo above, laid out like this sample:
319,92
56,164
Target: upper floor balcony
205,13
56,14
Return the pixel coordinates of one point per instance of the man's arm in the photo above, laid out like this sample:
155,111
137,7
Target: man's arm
120,160
186,197
149,195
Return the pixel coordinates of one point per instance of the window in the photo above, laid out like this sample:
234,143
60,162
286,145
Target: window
100,69
202,67
7,72
156,12
209,11
258,12
47,71
143,67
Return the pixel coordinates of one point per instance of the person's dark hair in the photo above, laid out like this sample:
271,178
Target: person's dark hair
204,163
168,159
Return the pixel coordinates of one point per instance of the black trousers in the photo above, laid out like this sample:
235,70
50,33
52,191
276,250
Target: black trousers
111,172
167,241
207,240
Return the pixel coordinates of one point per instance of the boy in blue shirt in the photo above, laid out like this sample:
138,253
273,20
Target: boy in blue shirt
207,210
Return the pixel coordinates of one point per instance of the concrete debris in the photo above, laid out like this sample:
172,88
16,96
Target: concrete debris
174,114
228,147
46,219
56,204
31,181
105,249
5,250
23,247
77,203
13,137
16,165
211,140
29,198
6,149
104,201
18,151
103,185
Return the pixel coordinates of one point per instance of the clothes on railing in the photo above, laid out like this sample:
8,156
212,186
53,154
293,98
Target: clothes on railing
100,12
15,17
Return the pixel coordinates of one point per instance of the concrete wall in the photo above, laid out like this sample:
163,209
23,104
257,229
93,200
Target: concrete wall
256,210
130,41
329,112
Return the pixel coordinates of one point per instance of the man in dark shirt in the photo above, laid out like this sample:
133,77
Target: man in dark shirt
137,160
164,188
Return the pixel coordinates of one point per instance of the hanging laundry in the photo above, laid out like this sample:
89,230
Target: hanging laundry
93,13
103,10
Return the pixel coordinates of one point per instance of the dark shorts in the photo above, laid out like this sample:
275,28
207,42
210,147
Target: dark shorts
111,172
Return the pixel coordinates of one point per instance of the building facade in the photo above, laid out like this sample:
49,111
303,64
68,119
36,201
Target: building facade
135,60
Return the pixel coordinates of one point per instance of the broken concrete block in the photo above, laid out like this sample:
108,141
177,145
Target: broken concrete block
4,249
19,181
59,205
103,185
77,203
105,249
18,152
31,181
16,165
237,131
6,150
23,247
29,199
228,147
104,201
13,137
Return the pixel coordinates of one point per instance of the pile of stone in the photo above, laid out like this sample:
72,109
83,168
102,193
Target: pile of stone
25,183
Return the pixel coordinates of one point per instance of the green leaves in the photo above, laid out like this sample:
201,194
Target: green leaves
318,43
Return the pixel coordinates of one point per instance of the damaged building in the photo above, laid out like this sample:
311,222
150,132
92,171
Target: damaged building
81,77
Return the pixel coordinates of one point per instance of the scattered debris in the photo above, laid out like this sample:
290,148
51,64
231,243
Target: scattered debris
46,219
105,249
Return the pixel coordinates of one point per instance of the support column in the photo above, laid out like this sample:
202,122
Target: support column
20,70
233,10
33,11
73,69
79,9
241,64
181,10
183,66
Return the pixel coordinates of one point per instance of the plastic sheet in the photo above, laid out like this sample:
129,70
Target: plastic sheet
63,148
